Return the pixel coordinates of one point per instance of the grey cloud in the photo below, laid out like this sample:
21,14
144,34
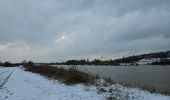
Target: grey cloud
94,26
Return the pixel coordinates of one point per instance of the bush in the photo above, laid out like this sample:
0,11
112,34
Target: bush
68,76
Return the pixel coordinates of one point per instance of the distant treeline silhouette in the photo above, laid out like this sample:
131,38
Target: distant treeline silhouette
130,59
9,64
164,56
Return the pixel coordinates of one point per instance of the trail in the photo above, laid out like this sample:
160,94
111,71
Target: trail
4,77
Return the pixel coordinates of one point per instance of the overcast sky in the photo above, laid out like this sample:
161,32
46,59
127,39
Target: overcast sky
57,30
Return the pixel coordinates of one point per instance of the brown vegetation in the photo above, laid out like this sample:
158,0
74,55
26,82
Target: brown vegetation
68,76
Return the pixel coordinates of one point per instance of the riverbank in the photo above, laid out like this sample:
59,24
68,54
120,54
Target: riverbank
153,78
24,85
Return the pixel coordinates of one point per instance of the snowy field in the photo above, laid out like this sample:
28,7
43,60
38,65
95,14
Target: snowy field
24,85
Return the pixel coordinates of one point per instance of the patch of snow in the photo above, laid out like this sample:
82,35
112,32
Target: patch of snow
145,61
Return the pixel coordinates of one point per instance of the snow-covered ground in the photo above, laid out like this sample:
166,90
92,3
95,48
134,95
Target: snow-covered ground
24,85
146,61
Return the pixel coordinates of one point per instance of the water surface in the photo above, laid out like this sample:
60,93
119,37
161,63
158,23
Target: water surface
145,76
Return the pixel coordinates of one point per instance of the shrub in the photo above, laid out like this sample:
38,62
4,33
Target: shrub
68,76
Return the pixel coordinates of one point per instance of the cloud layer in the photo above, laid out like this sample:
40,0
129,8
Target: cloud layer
50,30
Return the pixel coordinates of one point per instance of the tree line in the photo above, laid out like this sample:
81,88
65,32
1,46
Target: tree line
131,60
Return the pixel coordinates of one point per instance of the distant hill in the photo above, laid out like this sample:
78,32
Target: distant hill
136,58
160,58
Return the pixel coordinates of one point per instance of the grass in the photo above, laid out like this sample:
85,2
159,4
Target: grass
67,76
149,89
153,90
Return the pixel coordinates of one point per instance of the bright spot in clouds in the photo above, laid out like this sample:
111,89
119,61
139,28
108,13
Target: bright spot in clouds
63,39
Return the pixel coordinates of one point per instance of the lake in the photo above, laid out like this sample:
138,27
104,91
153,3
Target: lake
145,76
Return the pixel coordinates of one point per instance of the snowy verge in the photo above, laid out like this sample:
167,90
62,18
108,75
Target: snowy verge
24,85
